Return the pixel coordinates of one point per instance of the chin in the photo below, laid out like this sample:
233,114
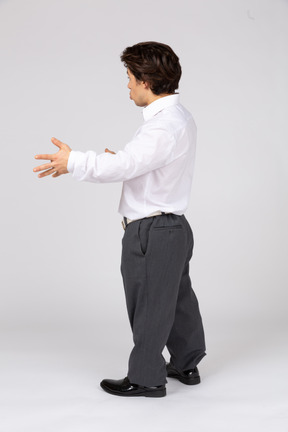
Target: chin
140,104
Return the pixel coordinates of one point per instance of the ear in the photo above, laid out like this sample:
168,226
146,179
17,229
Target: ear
146,85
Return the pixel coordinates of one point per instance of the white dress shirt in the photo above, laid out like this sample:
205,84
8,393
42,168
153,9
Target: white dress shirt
156,166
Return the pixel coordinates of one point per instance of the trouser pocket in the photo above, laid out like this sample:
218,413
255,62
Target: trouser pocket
144,233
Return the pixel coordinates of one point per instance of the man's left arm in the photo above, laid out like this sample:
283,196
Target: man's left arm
58,161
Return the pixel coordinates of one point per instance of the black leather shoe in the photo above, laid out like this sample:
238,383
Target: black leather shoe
189,377
123,387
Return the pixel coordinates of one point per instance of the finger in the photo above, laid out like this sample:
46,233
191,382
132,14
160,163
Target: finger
109,151
43,167
56,174
44,156
57,142
46,173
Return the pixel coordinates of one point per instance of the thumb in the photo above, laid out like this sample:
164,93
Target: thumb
57,142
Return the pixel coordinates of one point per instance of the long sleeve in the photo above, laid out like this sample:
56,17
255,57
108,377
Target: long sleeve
151,148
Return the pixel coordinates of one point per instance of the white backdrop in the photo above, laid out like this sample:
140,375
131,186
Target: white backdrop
61,76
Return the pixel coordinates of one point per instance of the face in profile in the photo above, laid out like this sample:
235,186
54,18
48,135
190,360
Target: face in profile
138,90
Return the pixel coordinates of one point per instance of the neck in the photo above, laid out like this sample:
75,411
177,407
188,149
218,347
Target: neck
153,97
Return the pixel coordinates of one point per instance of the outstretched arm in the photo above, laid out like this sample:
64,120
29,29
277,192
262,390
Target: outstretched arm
58,161
152,147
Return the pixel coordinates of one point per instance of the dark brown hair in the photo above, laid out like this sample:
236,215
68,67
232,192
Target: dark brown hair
154,63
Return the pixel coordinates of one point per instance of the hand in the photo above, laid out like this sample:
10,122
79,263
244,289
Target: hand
109,151
59,160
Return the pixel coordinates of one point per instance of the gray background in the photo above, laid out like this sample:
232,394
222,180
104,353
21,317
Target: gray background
61,289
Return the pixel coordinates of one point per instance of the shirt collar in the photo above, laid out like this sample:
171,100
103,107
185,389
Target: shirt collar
159,104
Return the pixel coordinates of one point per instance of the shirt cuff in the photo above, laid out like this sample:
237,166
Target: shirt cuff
71,162
77,164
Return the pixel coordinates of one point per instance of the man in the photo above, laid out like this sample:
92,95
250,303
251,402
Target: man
156,168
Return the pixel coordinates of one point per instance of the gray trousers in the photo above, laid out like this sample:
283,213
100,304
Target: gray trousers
162,306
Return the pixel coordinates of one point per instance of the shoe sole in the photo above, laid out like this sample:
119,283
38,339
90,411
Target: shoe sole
184,380
146,393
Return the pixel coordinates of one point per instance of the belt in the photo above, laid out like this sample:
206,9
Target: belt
127,221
